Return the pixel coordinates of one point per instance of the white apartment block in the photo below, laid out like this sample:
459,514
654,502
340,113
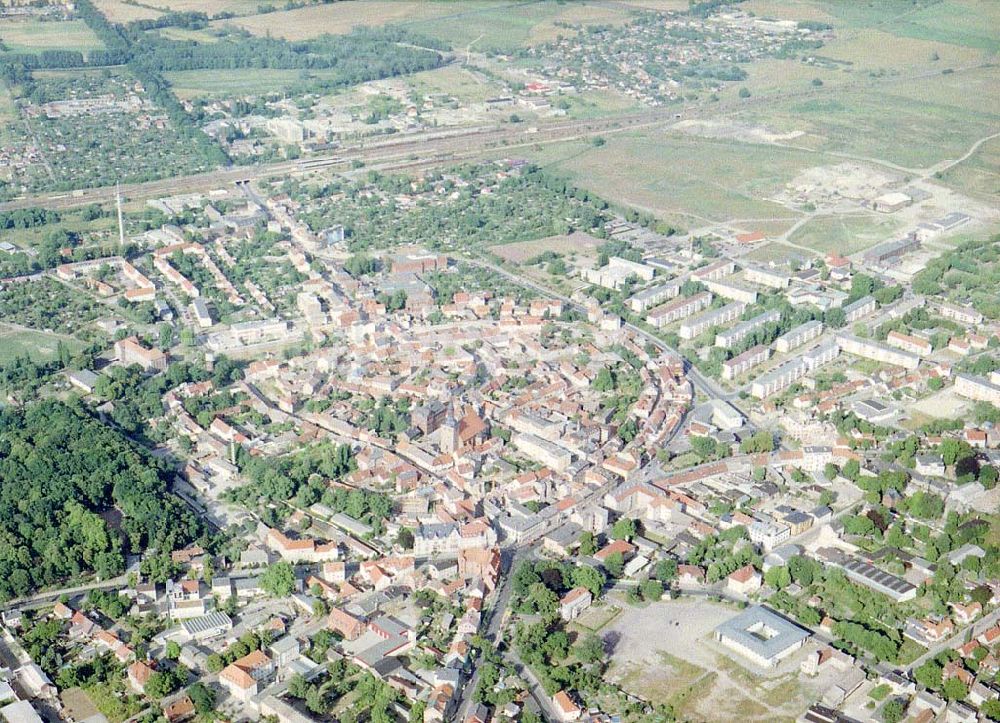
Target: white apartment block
977,388
859,309
745,362
731,337
678,309
648,298
731,291
714,271
766,277
878,352
715,317
615,273
961,314
798,336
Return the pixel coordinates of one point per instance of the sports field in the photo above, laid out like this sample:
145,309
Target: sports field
17,342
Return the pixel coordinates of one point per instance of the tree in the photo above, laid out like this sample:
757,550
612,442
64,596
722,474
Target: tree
652,590
173,650
852,469
588,577
929,674
744,92
614,564
830,471
589,649
778,577
588,545
666,570
759,442
405,538
623,529
893,711
988,476
991,709
203,698
954,689
278,580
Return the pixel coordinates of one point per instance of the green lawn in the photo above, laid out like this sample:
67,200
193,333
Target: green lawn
34,36
36,345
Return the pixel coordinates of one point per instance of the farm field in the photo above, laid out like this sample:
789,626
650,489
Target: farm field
18,342
338,18
980,174
522,251
466,85
35,36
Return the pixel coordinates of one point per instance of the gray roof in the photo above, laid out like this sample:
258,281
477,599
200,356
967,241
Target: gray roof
205,623
743,630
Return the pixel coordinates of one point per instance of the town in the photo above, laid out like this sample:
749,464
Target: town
300,421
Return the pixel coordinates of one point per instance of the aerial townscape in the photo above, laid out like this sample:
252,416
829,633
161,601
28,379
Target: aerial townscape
496,361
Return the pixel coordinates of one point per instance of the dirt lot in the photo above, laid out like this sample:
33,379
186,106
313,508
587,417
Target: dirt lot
665,653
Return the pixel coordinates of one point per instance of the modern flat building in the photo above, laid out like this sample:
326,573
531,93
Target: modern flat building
129,351
766,277
891,251
761,635
962,314
977,388
912,344
714,271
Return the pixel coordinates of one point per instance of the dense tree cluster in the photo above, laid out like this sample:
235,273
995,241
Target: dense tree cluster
75,497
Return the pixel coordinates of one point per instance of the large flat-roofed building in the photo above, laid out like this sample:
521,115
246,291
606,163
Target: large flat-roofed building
783,376
714,317
891,251
731,291
878,352
744,362
798,336
761,635
678,309
731,337
648,298
979,388
714,271
864,573
891,202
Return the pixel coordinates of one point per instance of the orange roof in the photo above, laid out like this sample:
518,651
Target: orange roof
744,574
565,703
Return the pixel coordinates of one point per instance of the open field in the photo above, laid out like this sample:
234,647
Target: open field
118,11
912,132
224,83
339,18
7,110
461,83
522,251
508,27
666,173
979,174
959,22
16,342
35,36
844,234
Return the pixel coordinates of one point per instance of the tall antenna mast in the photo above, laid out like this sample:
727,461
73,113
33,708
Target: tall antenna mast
121,224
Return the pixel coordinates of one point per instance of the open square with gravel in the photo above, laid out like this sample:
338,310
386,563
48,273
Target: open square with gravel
666,653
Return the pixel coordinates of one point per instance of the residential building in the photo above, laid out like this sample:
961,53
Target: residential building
715,317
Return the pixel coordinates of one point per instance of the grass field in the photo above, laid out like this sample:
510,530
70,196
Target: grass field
118,11
465,85
704,180
980,174
35,36
958,22
224,83
16,342
339,18
914,132
7,110
844,234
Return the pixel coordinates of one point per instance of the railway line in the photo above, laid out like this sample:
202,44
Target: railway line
431,148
